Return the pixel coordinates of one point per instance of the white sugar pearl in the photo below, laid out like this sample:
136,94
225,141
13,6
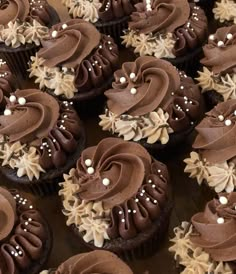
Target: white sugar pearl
12,98
122,80
133,91
228,122
21,101
64,26
223,200
106,182
122,220
229,36
54,34
90,170
7,112
220,44
134,211
220,220
221,118
132,75
212,37
88,162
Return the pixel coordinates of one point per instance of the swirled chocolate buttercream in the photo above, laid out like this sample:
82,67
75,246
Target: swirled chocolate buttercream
207,244
74,59
115,191
166,28
24,234
37,132
150,100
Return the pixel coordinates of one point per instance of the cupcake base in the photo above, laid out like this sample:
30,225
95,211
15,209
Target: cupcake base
212,98
113,28
48,182
141,246
88,103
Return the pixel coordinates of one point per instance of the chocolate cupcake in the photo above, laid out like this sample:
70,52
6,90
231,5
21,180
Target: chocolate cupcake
213,158
207,243
225,12
174,30
76,62
25,237
117,199
108,16
218,76
151,102
98,261
22,24
40,140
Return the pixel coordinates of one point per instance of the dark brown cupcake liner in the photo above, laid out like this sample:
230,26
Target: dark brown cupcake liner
53,16
17,59
113,28
207,6
189,63
47,184
143,245
87,103
212,98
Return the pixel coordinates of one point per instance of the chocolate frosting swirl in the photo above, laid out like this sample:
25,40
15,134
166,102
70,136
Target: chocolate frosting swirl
217,239
43,122
98,261
221,58
24,10
113,159
165,15
119,161
31,121
216,140
25,242
71,44
158,85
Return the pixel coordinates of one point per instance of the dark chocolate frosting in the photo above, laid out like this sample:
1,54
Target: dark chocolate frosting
185,21
24,10
78,45
98,261
158,84
215,229
219,53
38,119
216,133
137,188
27,233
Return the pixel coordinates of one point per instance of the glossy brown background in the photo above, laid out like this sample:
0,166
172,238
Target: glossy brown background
187,195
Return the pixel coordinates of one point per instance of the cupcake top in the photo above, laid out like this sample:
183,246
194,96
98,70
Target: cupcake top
116,191
98,261
24,235
219,63
74,59
166,28
149,100
214,158
207,244
24,22
100,10
37,132
225,11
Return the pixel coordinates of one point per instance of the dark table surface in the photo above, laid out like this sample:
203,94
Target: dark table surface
188,199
